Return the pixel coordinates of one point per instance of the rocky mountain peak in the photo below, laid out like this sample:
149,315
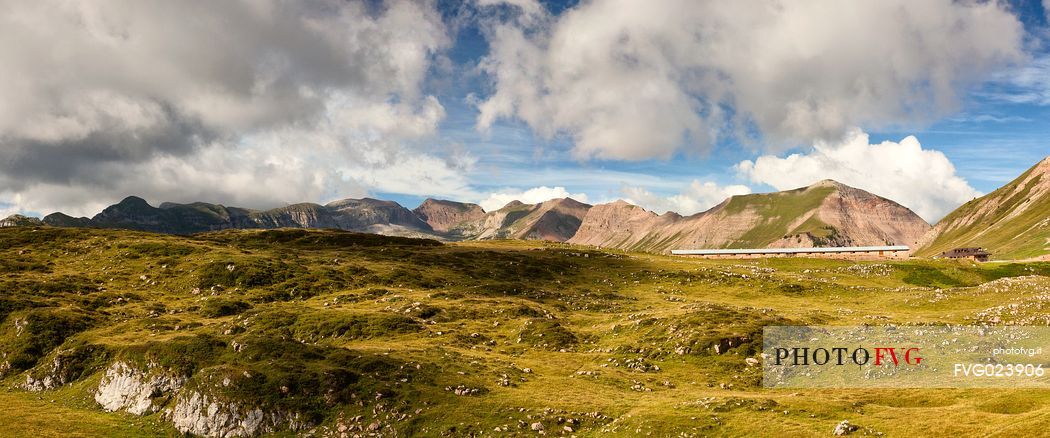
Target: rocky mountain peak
445,216
133,201
1043,167
827,183
17,220
827,213
512,204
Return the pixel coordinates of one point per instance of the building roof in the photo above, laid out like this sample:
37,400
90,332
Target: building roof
759,251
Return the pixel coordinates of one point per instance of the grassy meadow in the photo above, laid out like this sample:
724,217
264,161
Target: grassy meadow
365,334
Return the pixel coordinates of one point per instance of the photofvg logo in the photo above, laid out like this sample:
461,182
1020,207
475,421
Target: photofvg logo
844,356
905,357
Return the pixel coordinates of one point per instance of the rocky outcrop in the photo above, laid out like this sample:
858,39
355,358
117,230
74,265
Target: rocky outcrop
824,214
844,428
1011,223
304,215
455,218
63,366
200,414
212,402
17,220
138,391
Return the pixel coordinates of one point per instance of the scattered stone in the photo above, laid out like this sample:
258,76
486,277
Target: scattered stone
844,428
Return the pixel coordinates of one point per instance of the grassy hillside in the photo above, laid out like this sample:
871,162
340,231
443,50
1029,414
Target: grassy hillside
1012,222
777,211
362,333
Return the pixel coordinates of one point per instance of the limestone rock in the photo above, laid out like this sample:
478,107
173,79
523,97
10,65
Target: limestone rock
129,388
844,428
211,416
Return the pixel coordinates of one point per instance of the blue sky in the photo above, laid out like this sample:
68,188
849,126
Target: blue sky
672,105
989,139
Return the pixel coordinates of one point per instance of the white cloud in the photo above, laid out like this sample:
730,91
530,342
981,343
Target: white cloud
698,197
923,180
1029,83
631,80
535,195
252,103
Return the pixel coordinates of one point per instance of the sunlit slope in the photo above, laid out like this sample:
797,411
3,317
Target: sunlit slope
287,332
1012,222
826,213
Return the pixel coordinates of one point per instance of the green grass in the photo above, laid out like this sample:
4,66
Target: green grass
1007,235
776,211
335,326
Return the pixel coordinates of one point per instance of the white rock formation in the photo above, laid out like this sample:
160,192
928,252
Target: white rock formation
126,387
201,414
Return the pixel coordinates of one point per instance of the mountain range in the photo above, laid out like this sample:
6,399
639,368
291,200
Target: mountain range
824,214
827,213
1012,222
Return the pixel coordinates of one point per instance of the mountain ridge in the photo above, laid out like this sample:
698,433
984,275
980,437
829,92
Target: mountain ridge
826,213
1012,222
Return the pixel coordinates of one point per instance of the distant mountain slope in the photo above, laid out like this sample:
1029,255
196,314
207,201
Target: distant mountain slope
827,213
555,220
456,219
65,220
367,215
17,220
136,214
362,214
824,214
1012,222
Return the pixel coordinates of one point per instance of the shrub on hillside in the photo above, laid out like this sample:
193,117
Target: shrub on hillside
546,333
31,334
317,326
215,308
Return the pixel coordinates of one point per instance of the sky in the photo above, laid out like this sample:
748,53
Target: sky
673,105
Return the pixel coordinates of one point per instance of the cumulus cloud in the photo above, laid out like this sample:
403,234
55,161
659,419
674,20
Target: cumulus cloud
250,102
697,197
923,180
633,80
535,195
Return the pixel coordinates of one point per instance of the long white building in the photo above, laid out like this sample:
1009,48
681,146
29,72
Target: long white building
892,251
